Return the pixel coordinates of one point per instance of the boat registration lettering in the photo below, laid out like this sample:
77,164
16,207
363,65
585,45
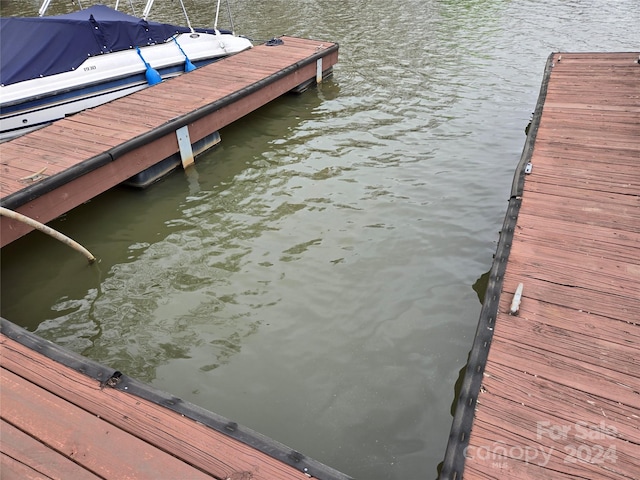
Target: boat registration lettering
90,68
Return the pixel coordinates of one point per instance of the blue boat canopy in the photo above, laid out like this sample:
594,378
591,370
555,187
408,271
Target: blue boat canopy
32,47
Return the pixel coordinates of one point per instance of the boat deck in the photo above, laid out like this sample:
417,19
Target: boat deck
554,390
60,421
50,171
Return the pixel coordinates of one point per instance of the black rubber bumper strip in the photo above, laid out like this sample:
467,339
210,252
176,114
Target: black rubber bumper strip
454,459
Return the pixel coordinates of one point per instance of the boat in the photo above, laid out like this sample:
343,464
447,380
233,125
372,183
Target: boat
54,66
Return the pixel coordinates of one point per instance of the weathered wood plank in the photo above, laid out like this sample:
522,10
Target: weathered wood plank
11,469
509,442
620,156
589,211
583,348
84,125
592,240
554,366
622,309
84,437
550,401
35,459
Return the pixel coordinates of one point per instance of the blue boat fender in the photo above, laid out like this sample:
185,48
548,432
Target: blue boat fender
188,66
152,75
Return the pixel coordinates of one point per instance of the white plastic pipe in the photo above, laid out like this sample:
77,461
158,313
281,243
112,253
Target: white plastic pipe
48,230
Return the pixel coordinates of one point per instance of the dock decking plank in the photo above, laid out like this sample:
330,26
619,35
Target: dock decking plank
576,106
598,180
592,272
496,419
14,470
549,399
34,459
593,379
86,126
69,152
113,119
39,151
624,157
603,140
601,241
586,211
155,113
620,358
84,437
575,298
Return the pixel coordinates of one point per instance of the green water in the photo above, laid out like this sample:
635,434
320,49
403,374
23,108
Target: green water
313,277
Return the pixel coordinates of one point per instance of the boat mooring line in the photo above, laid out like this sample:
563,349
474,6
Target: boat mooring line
5,212
454,459
188,66
151,74
111,378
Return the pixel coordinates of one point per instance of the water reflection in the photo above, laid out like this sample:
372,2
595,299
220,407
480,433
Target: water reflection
480,285
310,278
199,247
457,388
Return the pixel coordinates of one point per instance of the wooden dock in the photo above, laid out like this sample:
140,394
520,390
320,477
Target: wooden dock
50,171
554,390
66,417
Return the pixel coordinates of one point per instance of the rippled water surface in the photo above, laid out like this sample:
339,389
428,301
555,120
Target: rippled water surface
313,276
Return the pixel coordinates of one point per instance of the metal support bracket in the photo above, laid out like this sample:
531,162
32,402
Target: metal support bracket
184,143
319,70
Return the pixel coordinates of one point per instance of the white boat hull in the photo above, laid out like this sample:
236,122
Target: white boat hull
29,104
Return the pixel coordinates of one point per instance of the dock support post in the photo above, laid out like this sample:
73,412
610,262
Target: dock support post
48,230
184,143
